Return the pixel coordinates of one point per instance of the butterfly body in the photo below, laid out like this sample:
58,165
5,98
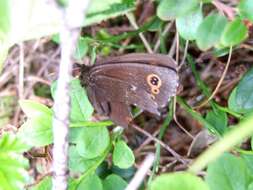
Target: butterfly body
144,80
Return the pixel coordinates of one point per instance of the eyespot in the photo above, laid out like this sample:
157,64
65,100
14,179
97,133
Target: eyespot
154,81
155,91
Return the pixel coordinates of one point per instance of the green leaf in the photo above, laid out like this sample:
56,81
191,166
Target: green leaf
220,52
210,30
81,109
241,98
13,174
187,25
248,159
34,109
5,27
32,22
234,33
77,128
90,182
171,9
77,163
93,141
126,174
245,9
178,181
5,24
250,187
156,25
232,104
123,156
81,49
114,182
228,172
218,119
46,183
103,169
206,1
37,131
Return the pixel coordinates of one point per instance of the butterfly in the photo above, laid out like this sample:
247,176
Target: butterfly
114,84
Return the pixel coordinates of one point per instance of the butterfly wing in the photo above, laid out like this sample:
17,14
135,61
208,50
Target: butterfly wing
128,82
147,81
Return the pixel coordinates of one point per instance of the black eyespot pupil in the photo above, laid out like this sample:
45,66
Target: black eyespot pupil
154,81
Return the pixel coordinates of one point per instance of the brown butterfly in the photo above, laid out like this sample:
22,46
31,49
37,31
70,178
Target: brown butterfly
143,80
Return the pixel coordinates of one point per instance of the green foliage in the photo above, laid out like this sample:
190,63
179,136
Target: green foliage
228,172
31,21
91,182
46,183
241,98
13,174
171,9
82,48
5,27
187,25
37,130
114,182
123,156
245,8
178,181
92,142
235,32
210,30
34,109
81,109
126,174
218,119
78,163
5,19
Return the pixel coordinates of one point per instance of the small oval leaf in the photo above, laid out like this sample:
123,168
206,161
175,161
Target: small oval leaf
123,156
245,8
34,109
93,141
114,182
187,25
178,181
210,30
172,9
234,33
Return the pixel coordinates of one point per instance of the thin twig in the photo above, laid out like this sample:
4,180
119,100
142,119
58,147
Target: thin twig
184,56
175,99
166,30
220,81
175,118
177,48
170,150
141,173
173,47
147,141
72,17
132,21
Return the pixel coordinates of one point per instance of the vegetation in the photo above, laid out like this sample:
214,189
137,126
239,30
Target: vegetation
209,124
